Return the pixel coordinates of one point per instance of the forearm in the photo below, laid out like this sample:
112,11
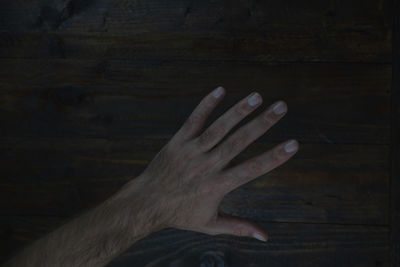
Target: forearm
93,239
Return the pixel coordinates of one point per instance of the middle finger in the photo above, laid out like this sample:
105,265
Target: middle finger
227,121
248,133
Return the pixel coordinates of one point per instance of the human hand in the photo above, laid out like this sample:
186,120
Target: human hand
186,181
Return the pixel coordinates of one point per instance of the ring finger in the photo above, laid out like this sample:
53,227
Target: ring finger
248,133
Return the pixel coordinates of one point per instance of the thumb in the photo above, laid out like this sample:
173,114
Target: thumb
233,225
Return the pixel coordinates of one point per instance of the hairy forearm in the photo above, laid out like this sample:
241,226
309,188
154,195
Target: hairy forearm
94,238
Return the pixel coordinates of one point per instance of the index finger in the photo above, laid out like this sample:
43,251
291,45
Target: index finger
195,122
252,168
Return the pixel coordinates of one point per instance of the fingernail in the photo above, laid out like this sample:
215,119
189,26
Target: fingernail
254,99
279,108
218,92
291,146
259,237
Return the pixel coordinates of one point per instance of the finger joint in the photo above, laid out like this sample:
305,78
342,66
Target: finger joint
241,110
209,135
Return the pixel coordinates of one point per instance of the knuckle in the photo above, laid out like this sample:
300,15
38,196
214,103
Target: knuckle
209,135
183,153
188,151
198,170
240,110
231,146
269,118
195,119
204,138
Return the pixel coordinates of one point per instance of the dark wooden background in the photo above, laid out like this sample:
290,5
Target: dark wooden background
91,90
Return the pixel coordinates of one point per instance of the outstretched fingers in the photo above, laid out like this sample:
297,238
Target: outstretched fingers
213,134
247,134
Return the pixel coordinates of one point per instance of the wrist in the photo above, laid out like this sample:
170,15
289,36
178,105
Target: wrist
136,207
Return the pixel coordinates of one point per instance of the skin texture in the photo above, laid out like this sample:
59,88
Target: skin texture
192,171
182,188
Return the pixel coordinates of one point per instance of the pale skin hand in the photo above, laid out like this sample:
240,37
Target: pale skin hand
190,175
182,187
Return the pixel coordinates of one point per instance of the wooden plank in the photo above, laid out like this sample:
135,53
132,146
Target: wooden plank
263,31
395,145
345,184
289,245
328,103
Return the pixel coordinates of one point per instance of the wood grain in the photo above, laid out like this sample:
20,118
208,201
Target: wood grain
395,146
345,184
328,103
262,31
290,244
91,90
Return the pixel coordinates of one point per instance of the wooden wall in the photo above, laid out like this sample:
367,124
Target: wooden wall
91,90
